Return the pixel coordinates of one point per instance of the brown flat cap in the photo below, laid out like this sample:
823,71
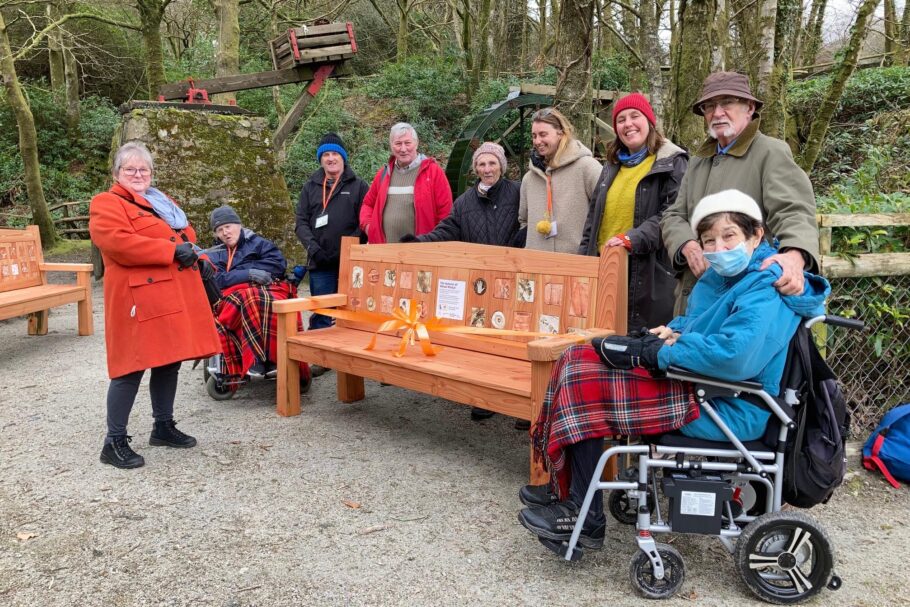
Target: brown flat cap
726,83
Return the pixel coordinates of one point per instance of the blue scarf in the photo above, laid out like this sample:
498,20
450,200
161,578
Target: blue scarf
632,160
166,209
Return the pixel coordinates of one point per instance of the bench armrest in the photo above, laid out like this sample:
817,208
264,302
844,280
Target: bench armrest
551,348
310,303
65,267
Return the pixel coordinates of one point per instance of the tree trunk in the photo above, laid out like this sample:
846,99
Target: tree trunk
404,29
766,64
891,32
634,33
690,64
227,57
905,36
511,22
55,50
573,51
28,141
482,44
542,32
150,14
774,114
720,55
841,74
280,110
71,74
814,36
650,51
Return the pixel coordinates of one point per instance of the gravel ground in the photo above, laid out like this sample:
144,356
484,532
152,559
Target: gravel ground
397,500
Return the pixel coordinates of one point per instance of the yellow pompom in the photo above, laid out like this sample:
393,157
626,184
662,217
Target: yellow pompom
544,226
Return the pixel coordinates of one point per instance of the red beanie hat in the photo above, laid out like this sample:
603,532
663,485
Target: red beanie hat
634,101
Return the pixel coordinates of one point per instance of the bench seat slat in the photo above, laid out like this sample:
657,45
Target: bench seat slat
34,299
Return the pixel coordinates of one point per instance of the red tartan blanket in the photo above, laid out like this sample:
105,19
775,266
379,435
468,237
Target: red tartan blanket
586,399
247,326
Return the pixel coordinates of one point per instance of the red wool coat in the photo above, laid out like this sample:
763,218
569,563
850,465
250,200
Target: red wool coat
432,200
155,312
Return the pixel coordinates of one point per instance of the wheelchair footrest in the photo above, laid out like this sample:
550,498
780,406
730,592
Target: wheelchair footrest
560,547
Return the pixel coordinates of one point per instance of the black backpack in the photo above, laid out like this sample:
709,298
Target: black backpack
816,453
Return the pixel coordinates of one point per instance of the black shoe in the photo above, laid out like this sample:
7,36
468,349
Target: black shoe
118,453
317,370
257,370
271,370
166,434
556,522
523,424
478,414
536,495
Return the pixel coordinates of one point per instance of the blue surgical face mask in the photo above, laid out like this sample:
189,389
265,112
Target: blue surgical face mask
730,262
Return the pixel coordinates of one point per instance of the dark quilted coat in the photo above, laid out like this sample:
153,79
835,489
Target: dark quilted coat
490,219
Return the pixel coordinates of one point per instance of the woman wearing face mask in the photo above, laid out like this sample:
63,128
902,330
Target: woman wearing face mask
737,327
561,178
487,213
639,180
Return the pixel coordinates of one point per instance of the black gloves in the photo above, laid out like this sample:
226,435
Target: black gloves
408,238
260,277
185,255
627,352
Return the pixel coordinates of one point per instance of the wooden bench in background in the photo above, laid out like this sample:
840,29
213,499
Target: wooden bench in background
502,288
24,288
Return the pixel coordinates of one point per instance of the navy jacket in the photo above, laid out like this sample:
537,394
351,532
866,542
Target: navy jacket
481,219
253,252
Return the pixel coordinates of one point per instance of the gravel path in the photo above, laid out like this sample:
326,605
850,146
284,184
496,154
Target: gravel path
397,500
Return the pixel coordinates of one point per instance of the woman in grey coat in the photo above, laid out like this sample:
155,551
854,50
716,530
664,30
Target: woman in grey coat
639,180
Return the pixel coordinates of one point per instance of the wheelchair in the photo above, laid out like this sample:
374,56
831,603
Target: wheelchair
732,490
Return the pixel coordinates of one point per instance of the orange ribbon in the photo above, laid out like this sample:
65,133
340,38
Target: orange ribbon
414,330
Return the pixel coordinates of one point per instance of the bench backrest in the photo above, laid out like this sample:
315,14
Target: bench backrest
487,286
20,259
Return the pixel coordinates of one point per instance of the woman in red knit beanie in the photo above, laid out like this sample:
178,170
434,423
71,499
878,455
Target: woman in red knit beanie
640,178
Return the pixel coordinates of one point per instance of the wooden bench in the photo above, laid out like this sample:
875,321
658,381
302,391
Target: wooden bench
24,288
473,285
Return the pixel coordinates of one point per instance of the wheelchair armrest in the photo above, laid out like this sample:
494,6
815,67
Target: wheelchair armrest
684,374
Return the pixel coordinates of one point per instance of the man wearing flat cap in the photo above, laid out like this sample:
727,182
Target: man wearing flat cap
737,156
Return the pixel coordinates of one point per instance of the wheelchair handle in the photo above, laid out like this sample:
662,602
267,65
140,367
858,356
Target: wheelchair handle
848,323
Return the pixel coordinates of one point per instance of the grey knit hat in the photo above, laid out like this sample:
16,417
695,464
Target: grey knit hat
488,147
223,215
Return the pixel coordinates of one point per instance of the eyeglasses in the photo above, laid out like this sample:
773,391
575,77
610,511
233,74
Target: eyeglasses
725,103
133,172
543,113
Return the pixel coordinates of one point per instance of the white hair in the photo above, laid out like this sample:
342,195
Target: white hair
129,150
400,129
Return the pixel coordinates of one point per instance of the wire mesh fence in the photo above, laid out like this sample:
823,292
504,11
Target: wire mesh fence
873,366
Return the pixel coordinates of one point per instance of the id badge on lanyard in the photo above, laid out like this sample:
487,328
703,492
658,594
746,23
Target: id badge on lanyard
323,220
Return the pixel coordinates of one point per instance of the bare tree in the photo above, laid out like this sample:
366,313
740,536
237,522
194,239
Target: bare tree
227,54
573,61
774,113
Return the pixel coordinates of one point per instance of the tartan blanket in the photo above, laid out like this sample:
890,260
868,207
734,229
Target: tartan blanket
247,327
586,399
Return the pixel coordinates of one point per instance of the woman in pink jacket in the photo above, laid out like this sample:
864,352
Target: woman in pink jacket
409,195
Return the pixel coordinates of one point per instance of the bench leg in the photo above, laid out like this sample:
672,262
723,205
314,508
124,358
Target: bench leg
86,324
350,387
37,323
540,376
287,393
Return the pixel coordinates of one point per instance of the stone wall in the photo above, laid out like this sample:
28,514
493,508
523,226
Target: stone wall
204,160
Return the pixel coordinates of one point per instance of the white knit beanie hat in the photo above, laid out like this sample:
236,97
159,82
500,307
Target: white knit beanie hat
727,201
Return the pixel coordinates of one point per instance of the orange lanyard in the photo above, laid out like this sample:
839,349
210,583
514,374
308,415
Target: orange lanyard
549,198
230,258
325,200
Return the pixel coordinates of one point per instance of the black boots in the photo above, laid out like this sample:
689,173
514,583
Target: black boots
119,454
166,434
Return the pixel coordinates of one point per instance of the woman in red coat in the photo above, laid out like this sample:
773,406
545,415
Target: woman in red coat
156,313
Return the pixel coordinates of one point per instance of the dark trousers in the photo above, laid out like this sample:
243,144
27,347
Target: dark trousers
322,282
583,458
121,394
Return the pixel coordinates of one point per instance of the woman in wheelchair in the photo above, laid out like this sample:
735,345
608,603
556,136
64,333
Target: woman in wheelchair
250,272
737,327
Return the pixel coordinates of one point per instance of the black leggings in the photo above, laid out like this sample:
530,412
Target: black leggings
121,394
583,457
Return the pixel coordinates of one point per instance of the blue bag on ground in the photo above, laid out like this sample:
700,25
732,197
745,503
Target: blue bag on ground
888,448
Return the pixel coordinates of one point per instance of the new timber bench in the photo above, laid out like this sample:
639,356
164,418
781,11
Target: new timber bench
462,284
24,288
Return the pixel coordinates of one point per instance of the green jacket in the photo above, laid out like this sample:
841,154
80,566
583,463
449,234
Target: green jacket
763,168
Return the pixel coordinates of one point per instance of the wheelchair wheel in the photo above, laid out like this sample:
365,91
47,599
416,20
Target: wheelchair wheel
624,508
784,557
642,574
217,393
